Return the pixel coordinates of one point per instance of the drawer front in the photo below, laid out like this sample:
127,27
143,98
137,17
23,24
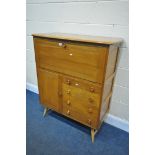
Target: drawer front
87,120
82,84
80,60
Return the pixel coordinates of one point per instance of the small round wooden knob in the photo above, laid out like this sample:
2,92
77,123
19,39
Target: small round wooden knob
90,110
68,102
68,82
91,100
89,121
92,89
68,112
68,92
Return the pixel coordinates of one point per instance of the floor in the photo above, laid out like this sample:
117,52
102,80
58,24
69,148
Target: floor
56,135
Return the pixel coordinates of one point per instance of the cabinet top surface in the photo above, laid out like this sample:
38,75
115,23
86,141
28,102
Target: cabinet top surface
81,38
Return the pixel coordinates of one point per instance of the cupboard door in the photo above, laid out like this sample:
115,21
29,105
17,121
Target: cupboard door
48,89
76,59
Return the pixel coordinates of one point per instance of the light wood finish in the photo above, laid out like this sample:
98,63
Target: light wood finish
112,57
109,79
81,38
73,59
88,120
75,75
45,112
48,89
93,133
82,84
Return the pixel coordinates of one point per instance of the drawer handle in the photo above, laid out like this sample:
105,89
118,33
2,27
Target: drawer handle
68,82
68,92
62,45
90,110
70,54
92,89
68,112
91,100
89,122
68,102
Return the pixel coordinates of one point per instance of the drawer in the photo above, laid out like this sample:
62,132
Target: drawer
88,112
80,107
88,120
81,60
82,84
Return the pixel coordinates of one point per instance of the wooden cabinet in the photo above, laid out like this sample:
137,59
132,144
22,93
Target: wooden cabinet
75,75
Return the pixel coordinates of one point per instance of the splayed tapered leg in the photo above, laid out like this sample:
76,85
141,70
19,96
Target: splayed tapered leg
45,111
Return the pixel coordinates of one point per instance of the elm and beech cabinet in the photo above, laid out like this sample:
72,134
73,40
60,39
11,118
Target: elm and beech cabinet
75,75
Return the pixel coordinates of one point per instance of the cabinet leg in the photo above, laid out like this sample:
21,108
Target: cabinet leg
45,112
93,132
92,135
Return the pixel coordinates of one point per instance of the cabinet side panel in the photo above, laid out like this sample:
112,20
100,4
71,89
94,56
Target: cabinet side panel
36,59
109,78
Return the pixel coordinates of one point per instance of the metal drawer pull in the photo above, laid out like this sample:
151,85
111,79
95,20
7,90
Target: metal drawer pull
70,54
61,44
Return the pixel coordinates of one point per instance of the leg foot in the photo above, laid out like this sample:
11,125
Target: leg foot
92,135
93,132
45,112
